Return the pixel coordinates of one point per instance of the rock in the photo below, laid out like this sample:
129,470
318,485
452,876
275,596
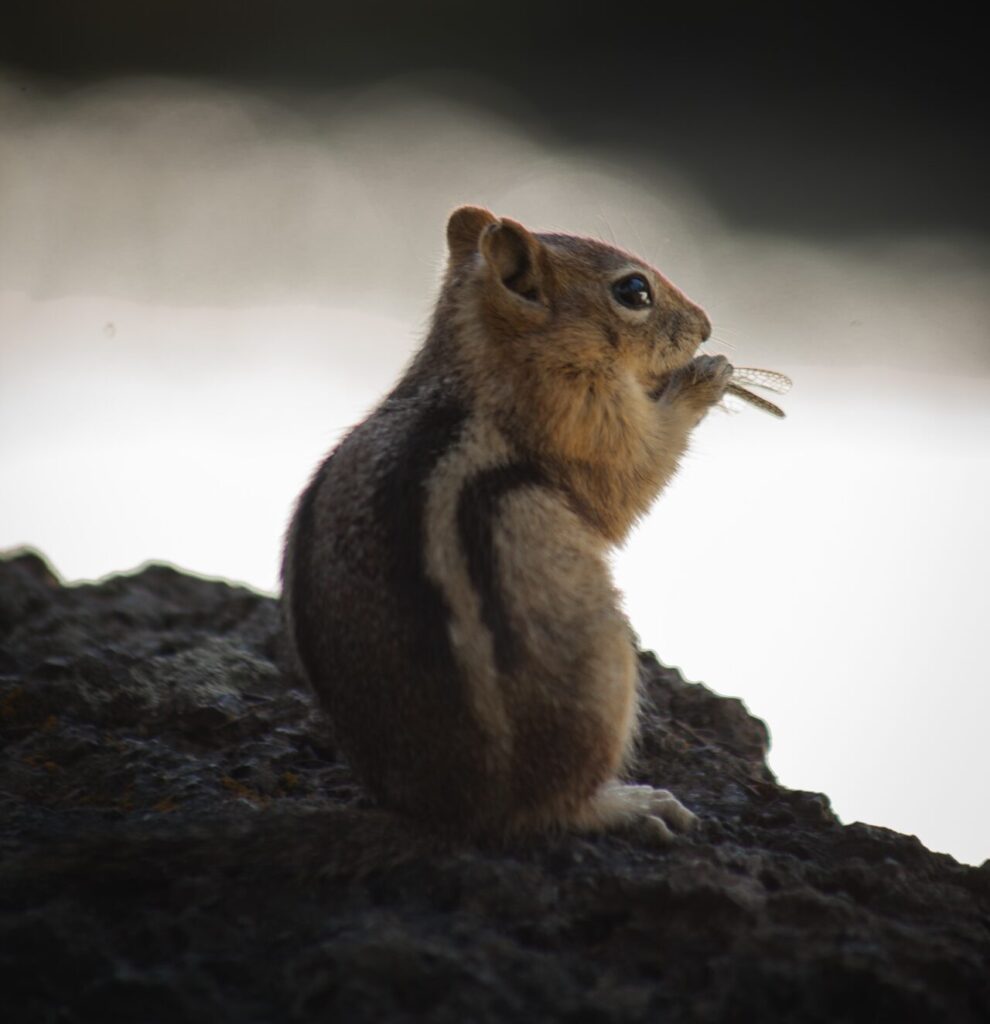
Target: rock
179,842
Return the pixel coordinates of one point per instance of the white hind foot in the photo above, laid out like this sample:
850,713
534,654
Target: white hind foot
655,813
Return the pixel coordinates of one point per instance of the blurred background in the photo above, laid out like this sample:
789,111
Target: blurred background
221,231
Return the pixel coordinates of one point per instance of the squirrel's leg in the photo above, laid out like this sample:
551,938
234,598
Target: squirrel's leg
569,676
655,813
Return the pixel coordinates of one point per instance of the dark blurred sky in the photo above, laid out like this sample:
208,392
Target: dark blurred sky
810,118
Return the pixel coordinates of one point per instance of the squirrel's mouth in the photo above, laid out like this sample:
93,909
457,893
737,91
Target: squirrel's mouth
658,385
660,379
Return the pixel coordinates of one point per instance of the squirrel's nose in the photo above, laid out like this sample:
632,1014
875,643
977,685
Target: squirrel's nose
704,325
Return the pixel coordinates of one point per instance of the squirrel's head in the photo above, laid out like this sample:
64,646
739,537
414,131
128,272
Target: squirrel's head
560,304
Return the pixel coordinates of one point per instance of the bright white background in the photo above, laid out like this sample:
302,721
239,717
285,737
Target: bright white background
199,291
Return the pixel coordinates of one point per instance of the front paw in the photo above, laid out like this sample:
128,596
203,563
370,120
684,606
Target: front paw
700,384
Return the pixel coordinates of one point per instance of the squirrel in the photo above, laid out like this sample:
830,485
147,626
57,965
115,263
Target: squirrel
446,586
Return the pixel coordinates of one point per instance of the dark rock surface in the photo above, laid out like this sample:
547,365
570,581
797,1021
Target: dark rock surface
179,843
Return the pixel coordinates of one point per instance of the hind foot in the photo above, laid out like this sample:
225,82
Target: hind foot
654,813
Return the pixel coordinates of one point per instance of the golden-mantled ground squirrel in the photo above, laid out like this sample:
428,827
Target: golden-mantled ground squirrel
446,581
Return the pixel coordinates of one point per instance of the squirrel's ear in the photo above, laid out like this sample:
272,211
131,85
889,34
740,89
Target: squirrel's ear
464,229
514,256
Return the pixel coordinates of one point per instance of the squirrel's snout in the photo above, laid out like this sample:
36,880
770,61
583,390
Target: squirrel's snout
704,326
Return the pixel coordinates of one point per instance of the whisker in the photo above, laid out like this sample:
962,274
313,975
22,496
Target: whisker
632,228
721,343
608,227
727,330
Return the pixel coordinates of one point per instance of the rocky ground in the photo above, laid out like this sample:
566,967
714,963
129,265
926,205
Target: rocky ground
179,843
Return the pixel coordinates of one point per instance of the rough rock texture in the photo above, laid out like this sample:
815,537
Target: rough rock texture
179,843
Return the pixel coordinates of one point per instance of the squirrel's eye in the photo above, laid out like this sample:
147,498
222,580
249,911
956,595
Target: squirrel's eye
633,292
